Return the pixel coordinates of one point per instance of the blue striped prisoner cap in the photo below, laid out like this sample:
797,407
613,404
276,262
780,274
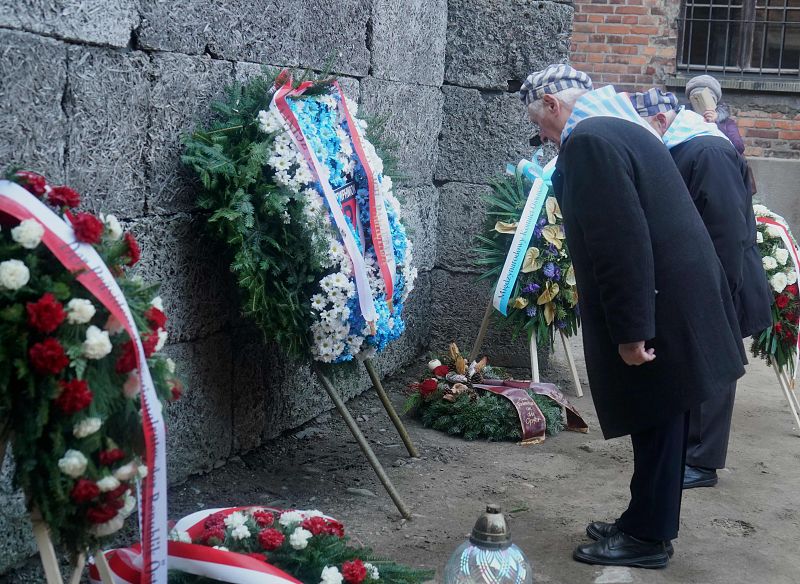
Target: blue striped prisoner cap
654,101
552,79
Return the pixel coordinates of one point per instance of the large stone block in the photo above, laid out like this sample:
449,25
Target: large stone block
16,535
333,33
199,292
493,42
462,216
413,117
180,98
419,215
200,424
33,73
459,301
108,117
481,133
262,31
102,22
409,40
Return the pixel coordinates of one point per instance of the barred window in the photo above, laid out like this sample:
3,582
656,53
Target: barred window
741,36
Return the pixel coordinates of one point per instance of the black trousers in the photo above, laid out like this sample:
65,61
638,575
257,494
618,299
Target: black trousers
709,431
659,455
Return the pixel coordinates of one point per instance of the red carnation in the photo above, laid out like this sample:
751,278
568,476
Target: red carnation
322,526
790,337
156,318
112,456
428,387
263,518
63,197
127,360
792,289
271,539
134,253
149,342
32,181
75,395
781,301
84,491
354,572
88,228
777,328
48,357
441,371
101,514
176,391
213,535
46,314
214,520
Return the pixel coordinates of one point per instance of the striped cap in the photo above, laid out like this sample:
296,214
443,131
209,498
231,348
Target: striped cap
552,79
654,101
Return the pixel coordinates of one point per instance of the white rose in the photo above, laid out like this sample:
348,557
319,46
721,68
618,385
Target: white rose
235,519
109,527
158,303
240,532
181,536
434,364
162,339
97,344
299,538
14,274
80,311
170,365
28,234
73,463
372,571
331,575
782,255
107,484
759,237
791,276
774,232
290,517
86,427
126,472
779,282
769,262
113,228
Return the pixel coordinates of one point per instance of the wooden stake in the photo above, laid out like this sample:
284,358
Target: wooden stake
387,405
77,569
46,551
792,392
534,358
102,566
573,369
487,319
787,393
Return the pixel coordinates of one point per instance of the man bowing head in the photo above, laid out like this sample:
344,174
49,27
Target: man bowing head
659,326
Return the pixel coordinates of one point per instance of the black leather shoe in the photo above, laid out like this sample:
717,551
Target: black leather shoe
696,476
622,549
600,530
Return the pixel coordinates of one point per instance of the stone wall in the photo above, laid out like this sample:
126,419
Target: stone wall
97,94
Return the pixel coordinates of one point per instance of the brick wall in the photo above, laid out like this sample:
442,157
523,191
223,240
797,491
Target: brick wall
632,44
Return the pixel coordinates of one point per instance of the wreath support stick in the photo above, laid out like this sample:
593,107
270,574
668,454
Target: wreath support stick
47,552
487,319
791,397
534,358
106,576
398,423
362,442
571,360
77,569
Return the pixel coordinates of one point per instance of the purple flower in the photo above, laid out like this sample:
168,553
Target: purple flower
552,271
553,250
542,222
530,288
531,311
561,324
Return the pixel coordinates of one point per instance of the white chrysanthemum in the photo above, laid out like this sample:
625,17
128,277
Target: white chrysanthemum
109,527
240,532
126,472
97,344
351,105
282,177
14,274
290,517
299,538
113,227
280,162
235,519
170,365
163,335
80,311
372,571
331,575
129,506
791,276
760,210
73,463
269,122
759,237
157,303
779,282
86,427
769,262
774,231
107,484
28,233
180,536
318,302
782,255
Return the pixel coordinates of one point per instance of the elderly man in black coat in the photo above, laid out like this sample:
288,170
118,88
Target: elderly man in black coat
659,325
718,181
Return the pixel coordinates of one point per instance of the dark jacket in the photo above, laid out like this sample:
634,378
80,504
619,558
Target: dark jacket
646,270
718,181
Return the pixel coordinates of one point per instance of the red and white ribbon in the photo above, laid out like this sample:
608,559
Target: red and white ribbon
83,260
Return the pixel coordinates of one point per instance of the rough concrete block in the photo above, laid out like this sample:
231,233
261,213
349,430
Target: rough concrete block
16,535
481,133
199,292
490,43
413,118
334,33
200,424
32,122
102,22
777,182
419,213
409,40
108,111
459,301
261,31
462,216
180,98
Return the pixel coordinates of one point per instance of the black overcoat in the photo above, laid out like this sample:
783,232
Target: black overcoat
646,270
719,183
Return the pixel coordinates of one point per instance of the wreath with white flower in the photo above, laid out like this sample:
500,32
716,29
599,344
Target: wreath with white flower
299,274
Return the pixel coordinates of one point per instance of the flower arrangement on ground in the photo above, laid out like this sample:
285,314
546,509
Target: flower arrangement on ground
69,383
306,545
778,252
447,399
298,192
545,297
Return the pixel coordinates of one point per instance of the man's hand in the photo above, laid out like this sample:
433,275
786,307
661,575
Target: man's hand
710,116
635,353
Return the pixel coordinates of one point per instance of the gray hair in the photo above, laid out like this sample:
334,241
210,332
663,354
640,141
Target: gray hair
567,97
